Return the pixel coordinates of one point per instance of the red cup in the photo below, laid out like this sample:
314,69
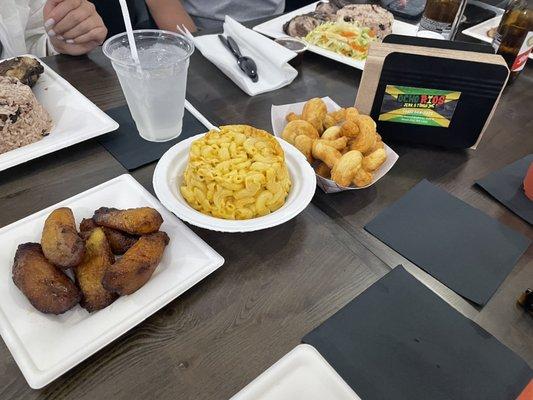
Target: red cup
528,183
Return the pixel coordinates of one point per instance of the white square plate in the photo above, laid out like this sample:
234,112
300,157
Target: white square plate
302,374
46,346
274,29
74,116
479,31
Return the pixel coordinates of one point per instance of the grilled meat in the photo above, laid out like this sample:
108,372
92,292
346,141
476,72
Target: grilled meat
326,8
301,25
25,69
343,3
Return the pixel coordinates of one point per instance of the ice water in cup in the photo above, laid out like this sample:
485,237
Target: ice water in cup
155,87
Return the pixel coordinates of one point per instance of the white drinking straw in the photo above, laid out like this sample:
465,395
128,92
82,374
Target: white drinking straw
129,31
205,122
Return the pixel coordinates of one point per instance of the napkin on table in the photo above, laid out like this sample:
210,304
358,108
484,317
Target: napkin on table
270,57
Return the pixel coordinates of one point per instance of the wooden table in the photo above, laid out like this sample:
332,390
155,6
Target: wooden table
277,284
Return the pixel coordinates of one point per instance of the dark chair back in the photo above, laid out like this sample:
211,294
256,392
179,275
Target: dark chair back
291,5
110,12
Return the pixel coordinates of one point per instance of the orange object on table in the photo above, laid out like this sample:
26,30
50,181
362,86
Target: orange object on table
527,394
528,183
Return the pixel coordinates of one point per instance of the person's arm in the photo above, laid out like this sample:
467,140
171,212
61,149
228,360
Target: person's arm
170,13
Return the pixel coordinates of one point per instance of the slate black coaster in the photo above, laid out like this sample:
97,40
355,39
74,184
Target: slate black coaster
399,340
506,186
131,150
456,243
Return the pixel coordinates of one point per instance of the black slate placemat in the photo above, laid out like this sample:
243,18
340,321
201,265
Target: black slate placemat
506,186
456,243
131,150
399,340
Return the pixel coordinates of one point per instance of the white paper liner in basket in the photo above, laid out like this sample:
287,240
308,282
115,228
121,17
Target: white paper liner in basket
278,114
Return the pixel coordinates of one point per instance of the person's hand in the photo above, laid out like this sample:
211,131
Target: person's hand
74,26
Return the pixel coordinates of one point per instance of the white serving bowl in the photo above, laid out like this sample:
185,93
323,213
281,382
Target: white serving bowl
168,175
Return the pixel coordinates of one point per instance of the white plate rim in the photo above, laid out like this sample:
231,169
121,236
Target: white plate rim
40,148
37,378
196,218
473,31
305,350
263,28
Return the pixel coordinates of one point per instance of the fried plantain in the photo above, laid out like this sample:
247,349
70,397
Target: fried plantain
135,221
60,241
98,257
47,288
119,242
86,227
137,265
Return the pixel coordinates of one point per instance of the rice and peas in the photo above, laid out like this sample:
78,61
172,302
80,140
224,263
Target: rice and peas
23,120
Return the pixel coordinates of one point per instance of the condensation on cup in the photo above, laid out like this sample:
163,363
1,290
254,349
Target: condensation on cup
154,88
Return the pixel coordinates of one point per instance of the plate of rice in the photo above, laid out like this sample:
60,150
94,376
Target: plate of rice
45,118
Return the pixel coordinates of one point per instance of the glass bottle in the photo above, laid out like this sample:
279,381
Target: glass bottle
442,16
514,37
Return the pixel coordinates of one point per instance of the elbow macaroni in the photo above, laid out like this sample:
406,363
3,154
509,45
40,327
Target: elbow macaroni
238,172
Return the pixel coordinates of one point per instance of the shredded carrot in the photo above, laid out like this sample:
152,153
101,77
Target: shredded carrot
349,39
348,34
356,47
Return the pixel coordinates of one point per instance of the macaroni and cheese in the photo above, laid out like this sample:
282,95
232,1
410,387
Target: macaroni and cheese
238,172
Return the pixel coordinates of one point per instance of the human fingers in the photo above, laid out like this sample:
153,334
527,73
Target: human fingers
73,18
96,35
73,49
84,28
47,9
61,8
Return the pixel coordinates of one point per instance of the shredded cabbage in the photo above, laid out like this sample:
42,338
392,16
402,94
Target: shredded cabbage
348,39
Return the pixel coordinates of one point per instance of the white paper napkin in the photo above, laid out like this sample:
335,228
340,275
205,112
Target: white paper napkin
270,57
278,114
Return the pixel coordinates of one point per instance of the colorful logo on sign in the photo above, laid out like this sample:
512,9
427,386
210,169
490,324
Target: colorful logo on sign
419,106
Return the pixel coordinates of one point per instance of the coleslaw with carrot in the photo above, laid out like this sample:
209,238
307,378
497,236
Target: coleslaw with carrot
348,39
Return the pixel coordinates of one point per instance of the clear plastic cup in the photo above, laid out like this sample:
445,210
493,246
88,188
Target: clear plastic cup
155,89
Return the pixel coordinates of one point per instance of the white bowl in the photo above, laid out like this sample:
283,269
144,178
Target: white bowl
168,175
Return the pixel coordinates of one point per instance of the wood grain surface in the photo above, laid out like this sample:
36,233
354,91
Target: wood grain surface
277,284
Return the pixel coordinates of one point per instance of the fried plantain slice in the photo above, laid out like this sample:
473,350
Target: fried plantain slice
47,288
60,241
86,227
137,265
119,242
98,257
135,221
